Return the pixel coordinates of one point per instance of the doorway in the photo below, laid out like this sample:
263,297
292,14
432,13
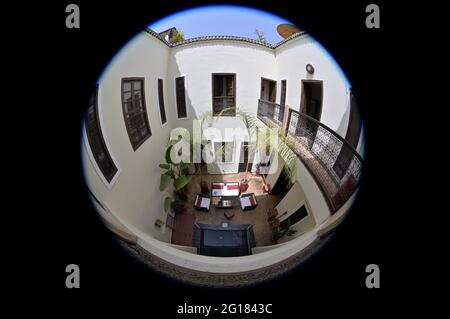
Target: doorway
246,157
224,93
268,90
282,185
312,98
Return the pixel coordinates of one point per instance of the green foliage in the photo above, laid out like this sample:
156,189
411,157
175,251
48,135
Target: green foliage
181,181
283,147
164,166
167,155
178,37
176,172
165,180
286,231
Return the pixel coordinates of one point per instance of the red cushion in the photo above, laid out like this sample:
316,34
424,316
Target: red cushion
233,186
217,186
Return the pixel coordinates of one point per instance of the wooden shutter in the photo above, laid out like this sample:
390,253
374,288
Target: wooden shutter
162,109
181,97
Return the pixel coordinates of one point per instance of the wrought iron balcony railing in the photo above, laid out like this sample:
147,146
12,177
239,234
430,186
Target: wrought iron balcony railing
335,165
270,113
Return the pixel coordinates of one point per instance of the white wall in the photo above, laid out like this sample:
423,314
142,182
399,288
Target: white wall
250,62
293,200
291,60
135,195
276,166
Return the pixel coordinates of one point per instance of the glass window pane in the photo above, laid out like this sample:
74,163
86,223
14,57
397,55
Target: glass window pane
229,151
126,86
127,96
96,142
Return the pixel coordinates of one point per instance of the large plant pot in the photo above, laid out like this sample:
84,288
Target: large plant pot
178,207
243,185
182,194
204,189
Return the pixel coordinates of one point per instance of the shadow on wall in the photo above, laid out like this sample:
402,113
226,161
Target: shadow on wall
342,128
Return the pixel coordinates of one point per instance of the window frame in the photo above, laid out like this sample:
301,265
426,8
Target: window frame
281,92
105,142
164,101
144,112
296,210
185,96
275,82
234,92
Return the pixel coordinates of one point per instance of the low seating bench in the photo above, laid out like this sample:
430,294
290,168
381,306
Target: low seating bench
225,189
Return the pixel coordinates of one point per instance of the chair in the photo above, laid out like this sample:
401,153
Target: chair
202,202
248,201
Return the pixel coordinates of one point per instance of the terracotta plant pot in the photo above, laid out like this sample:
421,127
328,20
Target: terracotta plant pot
258,170
204,189
178,207
182,194
243,185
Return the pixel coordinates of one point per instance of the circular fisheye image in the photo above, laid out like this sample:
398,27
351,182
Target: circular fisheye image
222,154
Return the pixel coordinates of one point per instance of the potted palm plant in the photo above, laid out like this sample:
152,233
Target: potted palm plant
283,145
284,231
180,178
250,123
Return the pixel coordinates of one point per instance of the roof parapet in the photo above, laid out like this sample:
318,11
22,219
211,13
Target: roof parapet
223,37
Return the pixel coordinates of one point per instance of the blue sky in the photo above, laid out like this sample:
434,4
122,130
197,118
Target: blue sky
223,20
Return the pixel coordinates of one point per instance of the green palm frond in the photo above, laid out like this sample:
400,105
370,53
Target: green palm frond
256,129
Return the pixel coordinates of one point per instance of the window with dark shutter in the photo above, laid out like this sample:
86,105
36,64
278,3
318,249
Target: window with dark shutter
162,109
300,214
224,93
135,111
283,93
96,140
181,97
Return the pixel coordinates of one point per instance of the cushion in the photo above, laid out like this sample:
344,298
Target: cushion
225,189
202,202
248,201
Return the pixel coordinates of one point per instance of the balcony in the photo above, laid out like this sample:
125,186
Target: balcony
270,113
334,164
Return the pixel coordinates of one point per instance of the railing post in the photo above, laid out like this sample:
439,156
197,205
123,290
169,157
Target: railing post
287,113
